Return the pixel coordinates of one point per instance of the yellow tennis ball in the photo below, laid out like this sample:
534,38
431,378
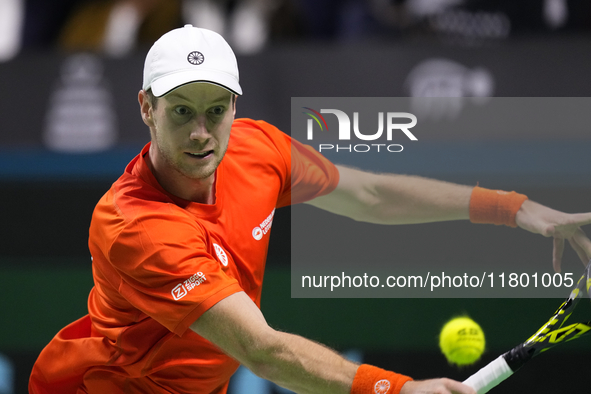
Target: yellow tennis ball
462,341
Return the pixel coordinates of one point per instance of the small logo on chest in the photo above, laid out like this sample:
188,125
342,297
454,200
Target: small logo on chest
264,227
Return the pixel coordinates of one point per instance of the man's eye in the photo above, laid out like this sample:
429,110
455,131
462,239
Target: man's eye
181,110
217,110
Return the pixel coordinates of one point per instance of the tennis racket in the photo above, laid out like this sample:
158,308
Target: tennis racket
549,335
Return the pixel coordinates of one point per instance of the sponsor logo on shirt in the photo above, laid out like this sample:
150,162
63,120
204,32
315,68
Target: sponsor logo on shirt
182,289
222,256
264,227
257,233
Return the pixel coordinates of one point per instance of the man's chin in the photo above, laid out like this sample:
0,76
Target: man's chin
200,174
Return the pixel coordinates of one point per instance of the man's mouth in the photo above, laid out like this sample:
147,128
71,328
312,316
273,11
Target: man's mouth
200,155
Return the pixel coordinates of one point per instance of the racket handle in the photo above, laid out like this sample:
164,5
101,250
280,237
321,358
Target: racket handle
489,376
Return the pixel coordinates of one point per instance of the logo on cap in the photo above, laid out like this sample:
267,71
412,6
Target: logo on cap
195,58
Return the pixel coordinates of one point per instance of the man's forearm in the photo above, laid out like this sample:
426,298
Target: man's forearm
395,199
404,199
238,327
304,366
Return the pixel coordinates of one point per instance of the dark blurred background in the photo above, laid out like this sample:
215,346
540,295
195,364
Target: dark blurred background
70,71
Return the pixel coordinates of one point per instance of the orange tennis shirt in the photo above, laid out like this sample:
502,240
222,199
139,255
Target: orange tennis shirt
159,262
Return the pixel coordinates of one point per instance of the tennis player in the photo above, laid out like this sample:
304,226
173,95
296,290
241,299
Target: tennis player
178,268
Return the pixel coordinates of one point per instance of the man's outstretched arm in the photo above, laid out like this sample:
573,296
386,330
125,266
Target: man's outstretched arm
404,199
238,327
395,199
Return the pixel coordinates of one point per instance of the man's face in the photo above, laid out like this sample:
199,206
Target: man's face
190,129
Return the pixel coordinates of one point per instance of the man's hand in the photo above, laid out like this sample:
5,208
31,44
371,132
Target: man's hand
562,226
436,386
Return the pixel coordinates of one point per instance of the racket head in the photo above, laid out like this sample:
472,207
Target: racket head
551,334
556,331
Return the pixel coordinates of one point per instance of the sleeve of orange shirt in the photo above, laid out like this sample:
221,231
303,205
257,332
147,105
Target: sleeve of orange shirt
167,270
310,174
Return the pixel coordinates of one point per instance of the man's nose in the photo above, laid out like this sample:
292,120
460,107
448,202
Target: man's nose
199,131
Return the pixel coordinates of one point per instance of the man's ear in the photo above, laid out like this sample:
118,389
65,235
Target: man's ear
234,98
146,108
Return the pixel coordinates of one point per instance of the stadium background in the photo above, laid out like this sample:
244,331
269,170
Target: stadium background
70,124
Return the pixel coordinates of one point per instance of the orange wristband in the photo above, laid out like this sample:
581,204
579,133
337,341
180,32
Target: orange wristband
374,380
495,206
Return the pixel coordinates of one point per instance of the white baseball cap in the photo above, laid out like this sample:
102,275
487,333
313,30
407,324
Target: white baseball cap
190,54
